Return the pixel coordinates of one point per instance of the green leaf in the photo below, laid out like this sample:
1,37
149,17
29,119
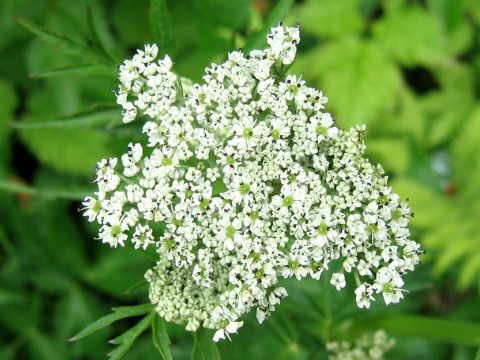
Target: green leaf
160,337
43,346
161,24
96,116
436,329
391,153
362,84
69,194
66,43
126,340
277,14
430,208
411,35
118,313
449,107
331,18
94,36
78,70
204,348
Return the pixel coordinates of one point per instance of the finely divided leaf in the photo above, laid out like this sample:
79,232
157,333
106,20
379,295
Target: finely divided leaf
119,313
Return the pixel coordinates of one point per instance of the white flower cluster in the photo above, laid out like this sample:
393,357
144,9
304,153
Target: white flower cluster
245,179
367,347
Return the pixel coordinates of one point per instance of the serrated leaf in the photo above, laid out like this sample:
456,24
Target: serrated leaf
160,23
361,82
66,43
411,36
126,340
118,313
430,208
204,348
78,70
327,18
160,337
392,153
277,14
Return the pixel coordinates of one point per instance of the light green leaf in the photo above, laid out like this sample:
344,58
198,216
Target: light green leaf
204,348
126,340
327,18
449,107
411,36
277,14
465,148
430,208
391,153
160,337
118,313
361,83
470,268
161,24
78,70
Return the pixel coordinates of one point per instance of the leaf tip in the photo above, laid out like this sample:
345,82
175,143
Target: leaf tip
72,339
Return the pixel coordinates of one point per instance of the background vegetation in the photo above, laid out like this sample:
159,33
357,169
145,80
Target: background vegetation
410,70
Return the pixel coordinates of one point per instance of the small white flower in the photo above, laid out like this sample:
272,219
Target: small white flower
338,280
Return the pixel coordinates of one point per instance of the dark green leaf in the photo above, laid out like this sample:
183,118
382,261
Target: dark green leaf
70,194
66,43
160,24
78,70
277,14
118,313
126,340
442,330
160,337
96,116
204,348
94,36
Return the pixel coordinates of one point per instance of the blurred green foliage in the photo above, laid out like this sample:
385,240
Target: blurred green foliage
410,70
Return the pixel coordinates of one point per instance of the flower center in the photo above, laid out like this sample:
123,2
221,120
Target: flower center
321,130
244,189
322,229
247,133
230,232
166,162
230,160
288,201
276,134
396,214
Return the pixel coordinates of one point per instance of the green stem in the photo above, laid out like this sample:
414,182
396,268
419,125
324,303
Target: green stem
6,185
441,330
